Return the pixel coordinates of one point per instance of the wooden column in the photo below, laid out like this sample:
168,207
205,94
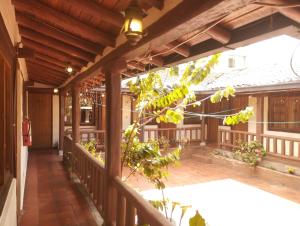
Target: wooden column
75,114
113,141
260,118
61,119
103,113
203,141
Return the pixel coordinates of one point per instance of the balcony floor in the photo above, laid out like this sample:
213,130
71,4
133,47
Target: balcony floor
51,198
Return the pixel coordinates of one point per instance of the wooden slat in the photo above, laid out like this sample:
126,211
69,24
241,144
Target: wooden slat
50,31
53,52
130,214
47,65
55,44
64,21
121,210
98,12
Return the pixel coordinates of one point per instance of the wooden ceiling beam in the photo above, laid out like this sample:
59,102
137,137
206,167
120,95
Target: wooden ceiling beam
219,34
50,31
47,65
291,12
183,50
45,75
157,61
53,61
53,53
186,17
136,65
159,4
55,44
38,79
98,12
44,69
64,21
246,35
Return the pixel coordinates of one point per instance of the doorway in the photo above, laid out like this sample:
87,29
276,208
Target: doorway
40,114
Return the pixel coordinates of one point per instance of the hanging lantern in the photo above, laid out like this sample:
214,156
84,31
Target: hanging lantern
69,69
133,25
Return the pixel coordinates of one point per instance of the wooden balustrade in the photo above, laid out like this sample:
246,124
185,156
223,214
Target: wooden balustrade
174,135
131,210
90,173
87,135
279,146
138,211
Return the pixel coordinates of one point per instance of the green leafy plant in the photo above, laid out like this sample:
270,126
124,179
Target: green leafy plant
91,147
250,152
291,170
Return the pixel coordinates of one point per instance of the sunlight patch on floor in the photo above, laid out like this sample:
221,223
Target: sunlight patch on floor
231,203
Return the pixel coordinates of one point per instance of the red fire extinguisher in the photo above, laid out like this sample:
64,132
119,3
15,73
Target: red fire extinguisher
26,131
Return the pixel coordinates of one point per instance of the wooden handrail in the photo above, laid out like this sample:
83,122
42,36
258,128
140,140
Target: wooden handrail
91,174
147,212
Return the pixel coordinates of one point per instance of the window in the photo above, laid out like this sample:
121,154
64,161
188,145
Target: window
284,112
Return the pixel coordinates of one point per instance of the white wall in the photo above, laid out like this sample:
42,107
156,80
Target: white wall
8,217
55,115
126,111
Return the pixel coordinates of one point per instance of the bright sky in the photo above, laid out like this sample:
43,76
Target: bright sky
276,49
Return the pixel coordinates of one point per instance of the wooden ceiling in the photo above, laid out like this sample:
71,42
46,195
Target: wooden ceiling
75,31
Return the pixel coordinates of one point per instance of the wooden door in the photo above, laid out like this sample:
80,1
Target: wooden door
40,114
212,123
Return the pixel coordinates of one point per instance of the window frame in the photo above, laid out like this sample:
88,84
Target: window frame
288,97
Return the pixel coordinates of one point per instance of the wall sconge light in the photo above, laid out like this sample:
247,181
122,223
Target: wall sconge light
55,90
133,25
102,95
69,69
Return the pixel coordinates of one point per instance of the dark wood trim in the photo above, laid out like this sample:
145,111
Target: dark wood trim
6,47
40,90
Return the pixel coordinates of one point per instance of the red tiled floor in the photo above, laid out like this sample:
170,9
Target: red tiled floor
51,198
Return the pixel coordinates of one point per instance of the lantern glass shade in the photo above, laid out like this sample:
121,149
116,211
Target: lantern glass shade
133,25
69,69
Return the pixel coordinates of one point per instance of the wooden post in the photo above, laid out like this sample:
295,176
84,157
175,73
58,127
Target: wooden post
260,118
75,114
203,141
113,139
61,119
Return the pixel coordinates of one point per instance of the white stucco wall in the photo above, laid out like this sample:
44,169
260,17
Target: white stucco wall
8,217
55,115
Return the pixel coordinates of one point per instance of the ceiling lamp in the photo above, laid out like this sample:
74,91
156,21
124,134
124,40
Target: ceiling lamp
55,90
133,25
69,69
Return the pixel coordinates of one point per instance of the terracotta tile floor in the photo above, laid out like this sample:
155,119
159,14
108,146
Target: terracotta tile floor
51,198
226,196
194,172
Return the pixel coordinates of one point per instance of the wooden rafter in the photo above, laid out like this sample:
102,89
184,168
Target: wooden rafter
136,65
53,60
47,65
53,52
55,44
26,21
45,70
97,11
157,61
219,34
64,21
183,50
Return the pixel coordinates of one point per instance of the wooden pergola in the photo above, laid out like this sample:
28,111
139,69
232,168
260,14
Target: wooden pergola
86,34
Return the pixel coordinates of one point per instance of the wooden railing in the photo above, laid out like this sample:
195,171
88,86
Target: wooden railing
131,209
174,135
91,135
279,146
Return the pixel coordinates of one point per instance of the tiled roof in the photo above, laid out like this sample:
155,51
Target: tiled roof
255,76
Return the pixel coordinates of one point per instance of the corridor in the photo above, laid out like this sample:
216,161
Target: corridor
51,198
